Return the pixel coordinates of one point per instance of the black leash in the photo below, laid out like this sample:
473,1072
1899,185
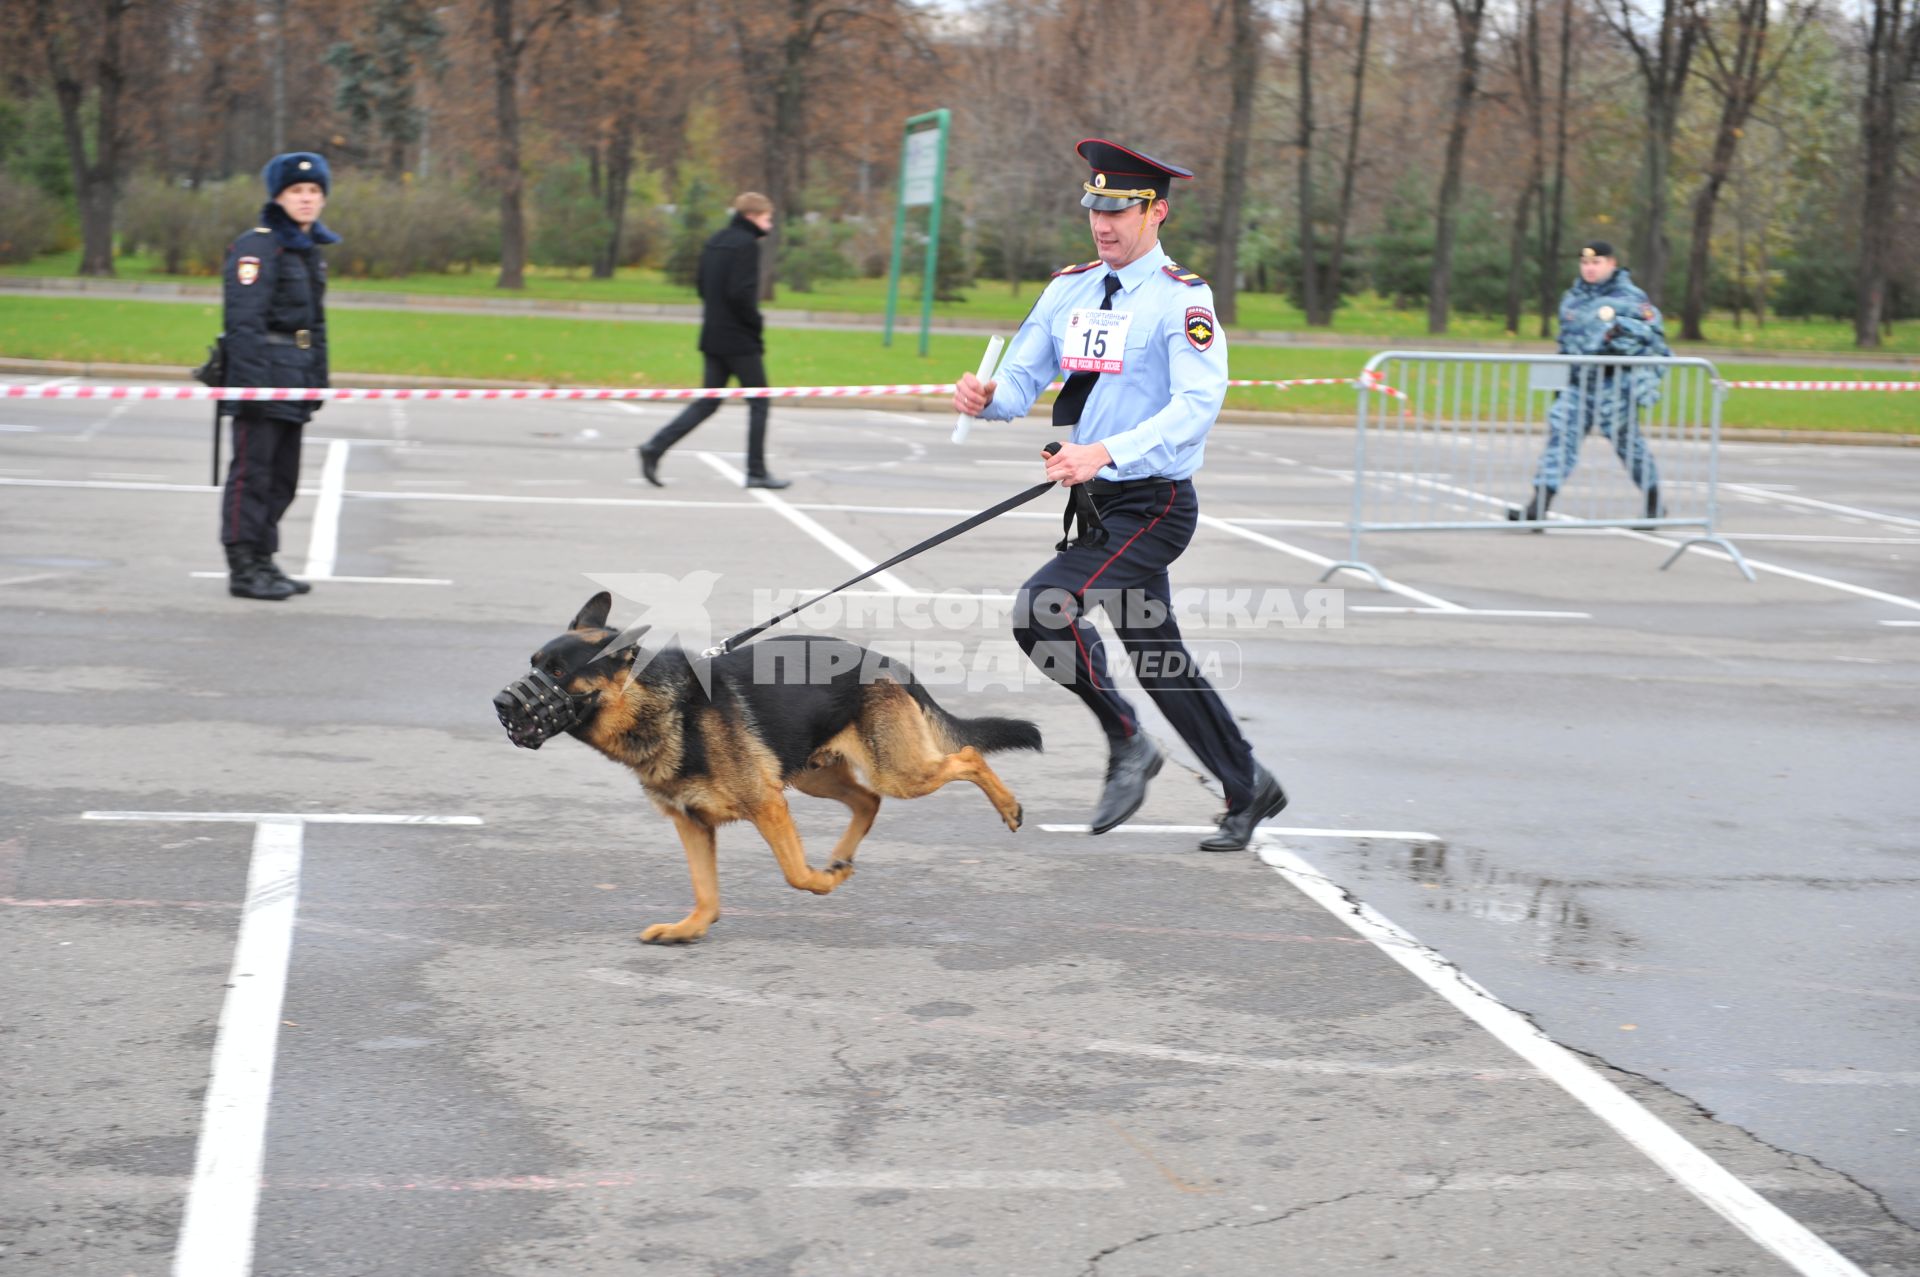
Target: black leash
1080,505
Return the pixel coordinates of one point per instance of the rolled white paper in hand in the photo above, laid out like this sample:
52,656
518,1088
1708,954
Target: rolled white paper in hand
962,421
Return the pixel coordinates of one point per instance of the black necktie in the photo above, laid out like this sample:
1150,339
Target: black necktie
1073,395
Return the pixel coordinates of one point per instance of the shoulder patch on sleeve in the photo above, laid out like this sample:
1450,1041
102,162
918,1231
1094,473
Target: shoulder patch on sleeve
1184,275
1075,270
1200,327
1647,313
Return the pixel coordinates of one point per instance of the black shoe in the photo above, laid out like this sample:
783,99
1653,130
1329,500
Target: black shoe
246,579
272,569
650,465
1656,508
767,481
1236,827
1133,762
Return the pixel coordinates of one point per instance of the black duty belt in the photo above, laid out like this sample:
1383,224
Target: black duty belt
1114,487
301,337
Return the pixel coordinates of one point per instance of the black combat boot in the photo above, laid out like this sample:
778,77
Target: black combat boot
1536,509
273,570
1656,508
246,579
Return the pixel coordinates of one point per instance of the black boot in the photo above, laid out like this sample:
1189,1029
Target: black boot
1656,508
1236,826
246,579
1536,510
650,464
1134,761
767,481
273,570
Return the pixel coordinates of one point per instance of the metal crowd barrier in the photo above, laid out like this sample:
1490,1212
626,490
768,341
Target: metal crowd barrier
1460,447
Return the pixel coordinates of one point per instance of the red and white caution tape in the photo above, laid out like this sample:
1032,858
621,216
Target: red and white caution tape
1822,385
248,394
245,394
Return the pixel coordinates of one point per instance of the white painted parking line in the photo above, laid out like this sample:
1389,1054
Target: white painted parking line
28,580
1403,835
1310,1067
351,580
1321,560
106,485
1759,565
216,1230
323,543
1901,624
1831,507
1728,1196
1470,612
809,526
1814,538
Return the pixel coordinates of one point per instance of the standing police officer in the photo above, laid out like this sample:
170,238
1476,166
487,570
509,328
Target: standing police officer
1148,372
1604,313
276,335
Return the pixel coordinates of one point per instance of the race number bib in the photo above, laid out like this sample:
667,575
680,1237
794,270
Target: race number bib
1096,340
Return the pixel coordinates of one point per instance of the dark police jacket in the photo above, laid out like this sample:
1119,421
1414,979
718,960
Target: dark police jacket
275,315
729,282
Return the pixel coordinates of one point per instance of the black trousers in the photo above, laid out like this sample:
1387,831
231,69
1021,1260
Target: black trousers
749,370
261,479
1149,525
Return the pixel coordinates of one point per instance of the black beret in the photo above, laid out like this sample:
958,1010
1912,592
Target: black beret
1597,248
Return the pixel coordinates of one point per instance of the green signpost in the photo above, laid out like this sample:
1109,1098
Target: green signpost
923,184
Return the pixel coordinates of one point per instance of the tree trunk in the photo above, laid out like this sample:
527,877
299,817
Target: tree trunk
506,114
95,183
1337,264
1893,56
1244,64
1527,73
1317,313
613,196
1556,227
1467,16
1694,308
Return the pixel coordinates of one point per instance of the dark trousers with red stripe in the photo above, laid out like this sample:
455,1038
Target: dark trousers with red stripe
1149,524
261,480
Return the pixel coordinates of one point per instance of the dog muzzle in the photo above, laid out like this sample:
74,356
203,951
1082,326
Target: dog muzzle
535,709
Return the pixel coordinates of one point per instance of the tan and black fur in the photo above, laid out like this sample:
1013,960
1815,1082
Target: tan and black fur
721,740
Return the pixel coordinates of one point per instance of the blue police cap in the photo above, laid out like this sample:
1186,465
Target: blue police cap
283,171
1122,176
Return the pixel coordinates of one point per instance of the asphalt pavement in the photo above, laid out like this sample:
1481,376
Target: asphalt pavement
1585,944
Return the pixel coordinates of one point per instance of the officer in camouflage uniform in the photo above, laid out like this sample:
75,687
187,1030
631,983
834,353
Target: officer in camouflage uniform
1604,313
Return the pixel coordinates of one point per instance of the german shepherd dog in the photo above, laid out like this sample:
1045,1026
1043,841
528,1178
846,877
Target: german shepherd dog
720,740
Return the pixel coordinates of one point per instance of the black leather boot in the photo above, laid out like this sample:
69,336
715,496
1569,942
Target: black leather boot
1656,508
650,464
1537,506
246,579
273,570
1236,826
1133,762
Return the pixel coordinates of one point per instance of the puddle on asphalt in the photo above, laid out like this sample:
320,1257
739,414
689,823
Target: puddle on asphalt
1466,880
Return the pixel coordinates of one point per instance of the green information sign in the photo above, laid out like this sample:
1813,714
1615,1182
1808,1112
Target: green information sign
923,184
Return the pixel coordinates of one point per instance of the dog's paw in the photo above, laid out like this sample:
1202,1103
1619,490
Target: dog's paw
841,866
1014,821
672,933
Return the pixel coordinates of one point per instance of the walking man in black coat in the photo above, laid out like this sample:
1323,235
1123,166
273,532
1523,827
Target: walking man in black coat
275,285
730,337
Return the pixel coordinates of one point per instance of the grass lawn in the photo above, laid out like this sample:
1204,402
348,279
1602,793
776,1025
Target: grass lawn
990,302
611,353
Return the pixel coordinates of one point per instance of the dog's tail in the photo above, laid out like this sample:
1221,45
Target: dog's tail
987,735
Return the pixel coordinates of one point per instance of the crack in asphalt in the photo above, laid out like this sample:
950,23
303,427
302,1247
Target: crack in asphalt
1094,1261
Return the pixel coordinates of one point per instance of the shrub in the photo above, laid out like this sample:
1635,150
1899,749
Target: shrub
401,228
188,228
27,220
570,225
810,252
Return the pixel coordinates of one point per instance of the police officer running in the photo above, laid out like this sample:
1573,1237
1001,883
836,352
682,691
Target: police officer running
1148,372
1604,313
276,335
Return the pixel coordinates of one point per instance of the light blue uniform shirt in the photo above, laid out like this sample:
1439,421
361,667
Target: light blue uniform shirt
1154,414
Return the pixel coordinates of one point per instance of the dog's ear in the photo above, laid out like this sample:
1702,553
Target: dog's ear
625,645
594,615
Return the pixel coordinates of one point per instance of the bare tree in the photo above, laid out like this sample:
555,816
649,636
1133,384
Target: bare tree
1663,48
1555,216
1738,75
510,41
1350,165
1317,312
1523,46
1893,60
1468,17
1244,64
67,46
